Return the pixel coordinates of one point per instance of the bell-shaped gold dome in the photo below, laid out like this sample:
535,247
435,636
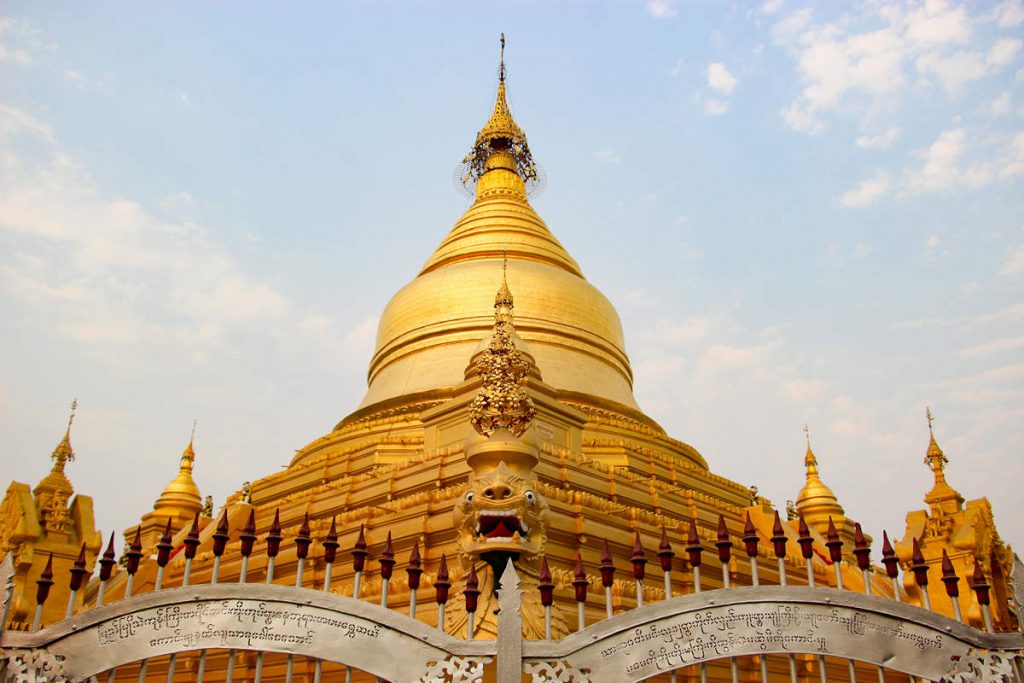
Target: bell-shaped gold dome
181,499
431,327
816,502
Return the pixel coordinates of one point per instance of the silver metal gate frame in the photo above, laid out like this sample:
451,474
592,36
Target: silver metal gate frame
687,630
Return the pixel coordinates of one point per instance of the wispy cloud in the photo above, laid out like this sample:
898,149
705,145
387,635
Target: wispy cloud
868,191
662,9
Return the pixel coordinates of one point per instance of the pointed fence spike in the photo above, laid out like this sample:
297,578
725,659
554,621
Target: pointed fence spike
750,537
724,543
949,576
164,546
415,568
779,537
889,557
544,583
274,535
638,559
192,539
442,583
134,553
919,566
330,543
805,539
303,539
607,566
221,536
108,560
78,570
665,553
44,582
248,535
861,548
693,546
979,585
834,543
472,589
579,582
359,552
387,560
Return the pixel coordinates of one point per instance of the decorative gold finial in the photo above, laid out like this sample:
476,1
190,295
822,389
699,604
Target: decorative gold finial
500,135
934,457
502,402
501,69
810,462
63,452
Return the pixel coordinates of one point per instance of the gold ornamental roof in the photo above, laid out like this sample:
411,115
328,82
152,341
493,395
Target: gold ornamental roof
181,498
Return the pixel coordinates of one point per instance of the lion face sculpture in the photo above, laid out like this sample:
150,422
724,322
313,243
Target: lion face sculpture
501,511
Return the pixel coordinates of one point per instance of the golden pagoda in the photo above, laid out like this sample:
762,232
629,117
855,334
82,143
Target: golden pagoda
964,532
499,423
47,525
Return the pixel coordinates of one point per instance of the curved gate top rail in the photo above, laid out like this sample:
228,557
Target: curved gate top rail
703,627
268,618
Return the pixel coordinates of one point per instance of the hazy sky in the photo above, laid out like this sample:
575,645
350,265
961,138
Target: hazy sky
805,213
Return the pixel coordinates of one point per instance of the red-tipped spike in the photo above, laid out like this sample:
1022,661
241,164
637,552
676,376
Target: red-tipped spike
693,546
248,535
387,560
415,568
359,552
442,582
861,548
108,560
639,559
919,566
607,567
274,535
665,553
44,582
979,585
221,535
545,584
134,553
778,537
164,546
192,539
330,543
805,539
724,543
303,539
949,576
579,582
834,543
889,557
78,571
750,537
472,589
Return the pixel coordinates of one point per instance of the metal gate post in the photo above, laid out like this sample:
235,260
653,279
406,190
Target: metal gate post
509,648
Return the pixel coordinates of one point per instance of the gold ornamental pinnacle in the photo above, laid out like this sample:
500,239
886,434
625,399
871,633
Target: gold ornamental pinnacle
502,402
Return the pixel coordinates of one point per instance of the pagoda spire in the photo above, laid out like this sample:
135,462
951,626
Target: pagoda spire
181,498
501,143
57,480
502,402
942,496
816,501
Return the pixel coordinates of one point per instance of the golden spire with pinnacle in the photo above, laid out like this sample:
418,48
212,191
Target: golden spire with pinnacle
56,482
181,498
501,134
936,460
502,402
816,501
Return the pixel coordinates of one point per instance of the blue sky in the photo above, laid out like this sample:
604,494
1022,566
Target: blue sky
804,213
